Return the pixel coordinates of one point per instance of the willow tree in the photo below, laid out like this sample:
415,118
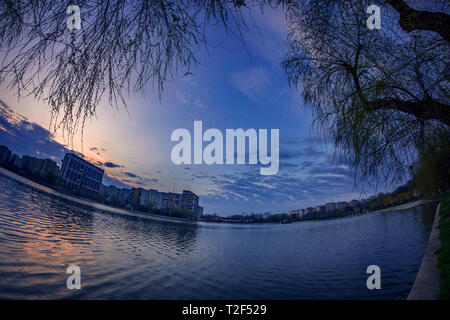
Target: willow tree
120,48
380,93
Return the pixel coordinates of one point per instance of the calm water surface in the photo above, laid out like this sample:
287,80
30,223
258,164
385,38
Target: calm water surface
125,257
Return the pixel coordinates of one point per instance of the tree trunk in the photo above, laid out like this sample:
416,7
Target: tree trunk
411,19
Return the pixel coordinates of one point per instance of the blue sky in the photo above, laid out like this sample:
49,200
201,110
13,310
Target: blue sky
238,85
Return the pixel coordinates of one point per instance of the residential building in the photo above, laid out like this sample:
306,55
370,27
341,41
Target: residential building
200,212
136,197
150,198
353,203
297,213
48,168
320,208
109,193
79,174
164,200
330,207
13,161
341,205
124,196
45,169
189,201
5,154
117,196
175,200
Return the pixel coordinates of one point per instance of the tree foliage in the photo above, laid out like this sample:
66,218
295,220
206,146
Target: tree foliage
120,48
380,93
432,170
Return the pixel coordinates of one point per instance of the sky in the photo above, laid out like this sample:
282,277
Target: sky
239,84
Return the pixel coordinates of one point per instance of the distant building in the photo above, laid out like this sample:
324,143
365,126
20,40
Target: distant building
320,208
24,163
140,198
5,154
48,168
167,200
297,213
189,201
124,196
43,169
199,211
13,161
150,198
330,206
116,196
136,197
108,191
341,205
164,200
175,200
79,174
353,203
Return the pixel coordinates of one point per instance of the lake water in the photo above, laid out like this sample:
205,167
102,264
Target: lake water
124,257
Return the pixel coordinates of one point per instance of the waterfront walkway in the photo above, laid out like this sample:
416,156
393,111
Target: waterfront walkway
427,284
407,205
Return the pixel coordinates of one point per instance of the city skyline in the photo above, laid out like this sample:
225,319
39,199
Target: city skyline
80,175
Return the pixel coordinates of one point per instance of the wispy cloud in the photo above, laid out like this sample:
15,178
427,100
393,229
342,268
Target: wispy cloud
131,175
110,164
27,138
251,81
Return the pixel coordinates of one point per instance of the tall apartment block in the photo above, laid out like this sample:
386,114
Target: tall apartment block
79,174
166,200
189,200
151,198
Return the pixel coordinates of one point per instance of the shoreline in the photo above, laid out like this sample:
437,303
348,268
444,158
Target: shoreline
405,206
104,207
428,279
86,202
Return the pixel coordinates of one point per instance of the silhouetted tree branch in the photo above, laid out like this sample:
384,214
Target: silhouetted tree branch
120,48
379,93
411,19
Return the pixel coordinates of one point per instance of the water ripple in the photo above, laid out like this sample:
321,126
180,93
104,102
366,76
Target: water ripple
123,257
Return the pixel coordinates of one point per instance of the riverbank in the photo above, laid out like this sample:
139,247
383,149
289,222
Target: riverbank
86,202
42,235
103,207
405,206
427,283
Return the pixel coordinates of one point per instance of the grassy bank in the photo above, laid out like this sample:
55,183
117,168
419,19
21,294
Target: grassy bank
444,251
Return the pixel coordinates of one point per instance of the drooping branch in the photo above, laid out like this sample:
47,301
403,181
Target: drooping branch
411,19
428,109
